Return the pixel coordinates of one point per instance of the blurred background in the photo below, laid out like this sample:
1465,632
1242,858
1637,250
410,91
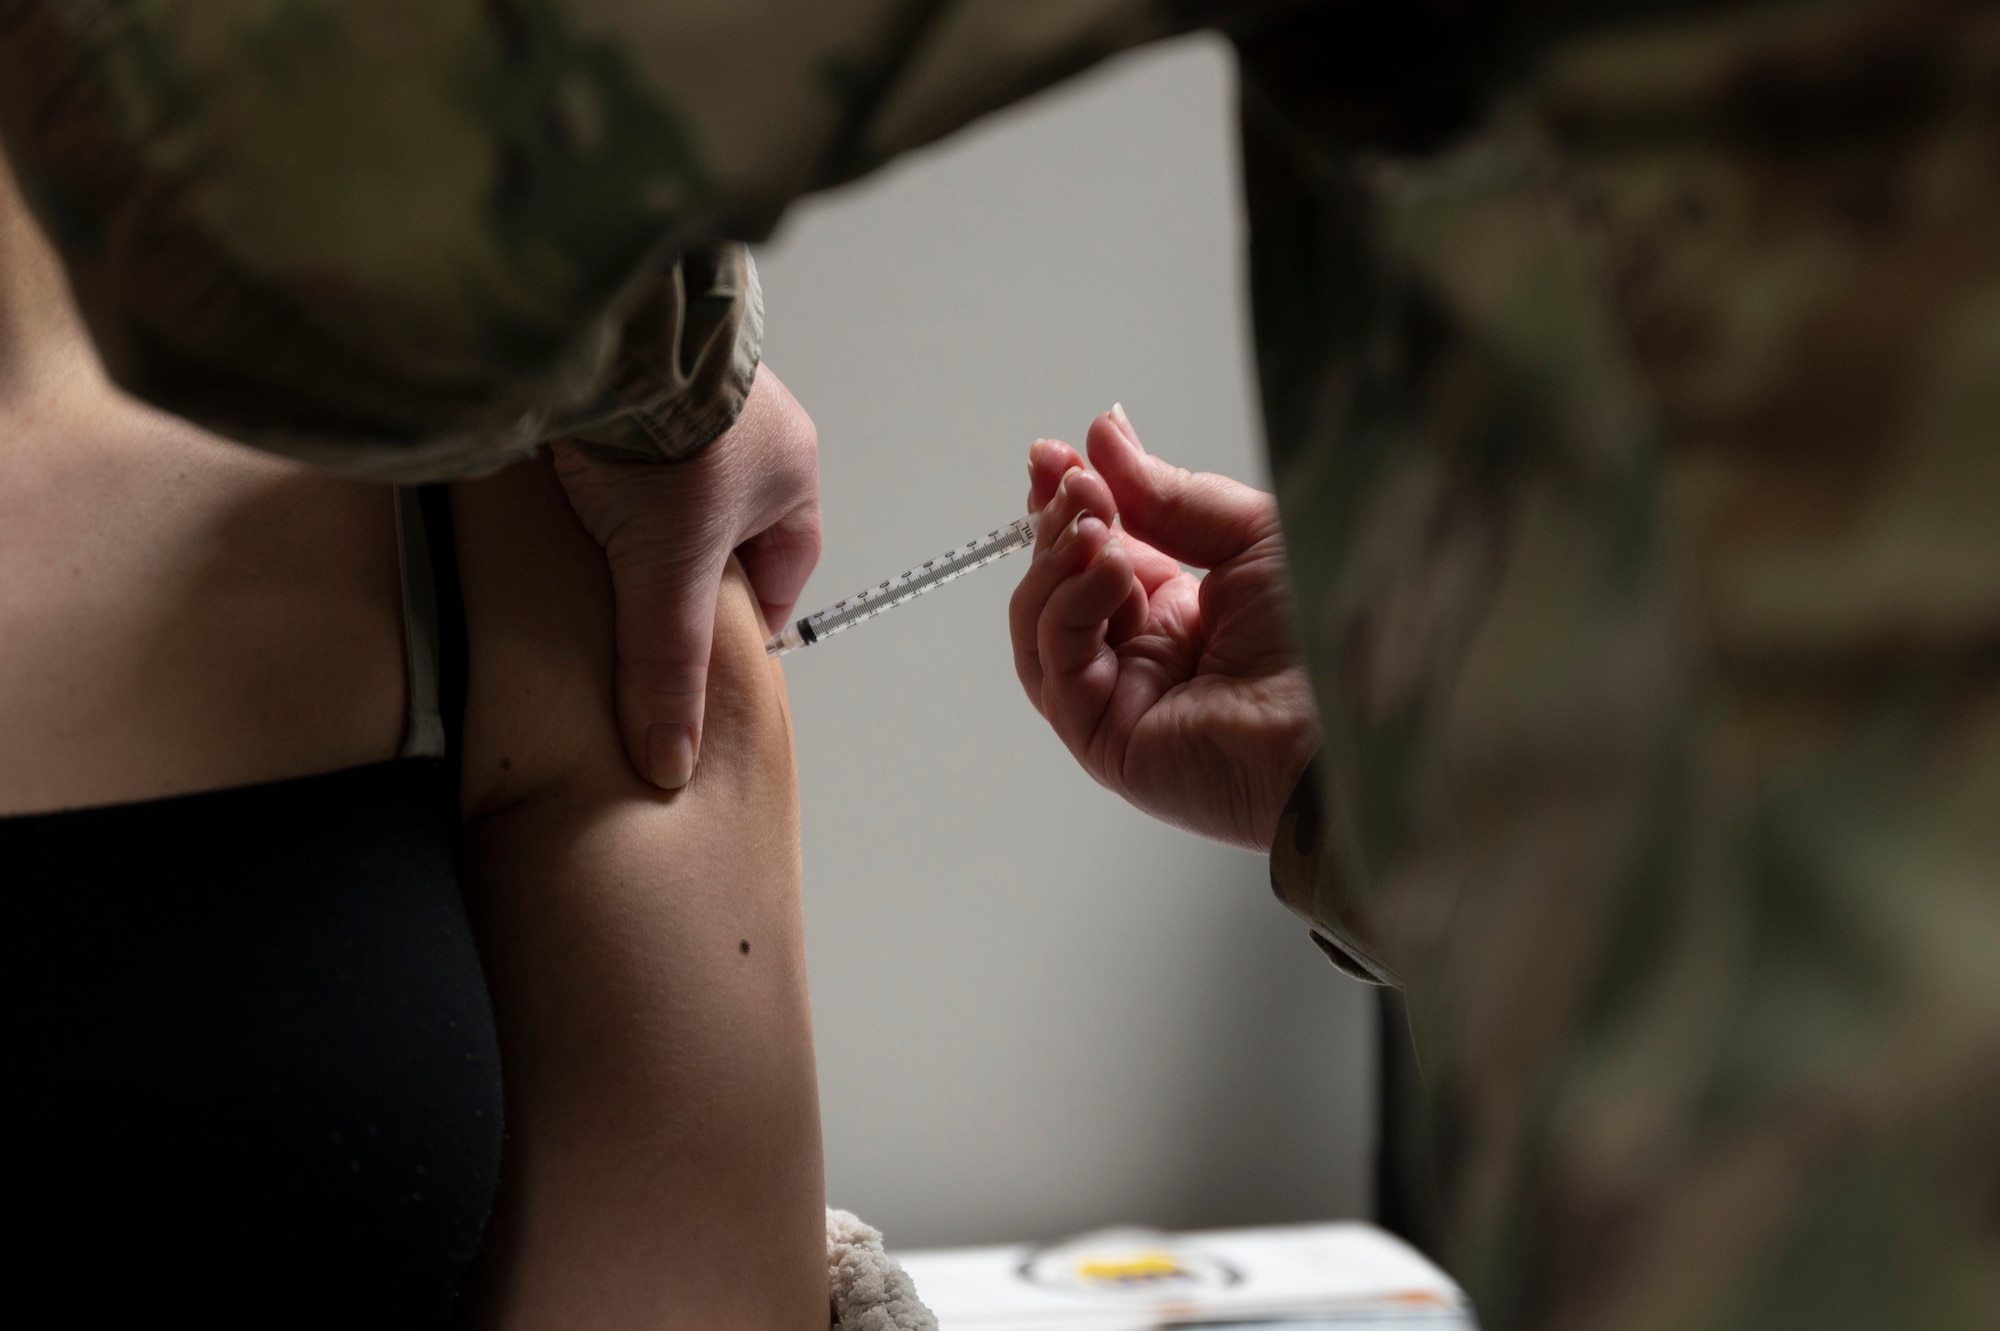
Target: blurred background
1037,1011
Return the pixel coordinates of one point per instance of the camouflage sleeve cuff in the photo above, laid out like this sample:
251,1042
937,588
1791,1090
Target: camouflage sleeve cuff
687,356
1308,877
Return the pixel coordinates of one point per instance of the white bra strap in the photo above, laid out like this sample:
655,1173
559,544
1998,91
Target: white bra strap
423,735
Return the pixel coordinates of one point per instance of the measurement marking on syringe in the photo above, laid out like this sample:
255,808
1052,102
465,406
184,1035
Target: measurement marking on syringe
907,586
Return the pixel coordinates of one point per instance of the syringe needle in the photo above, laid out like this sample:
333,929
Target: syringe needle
906,586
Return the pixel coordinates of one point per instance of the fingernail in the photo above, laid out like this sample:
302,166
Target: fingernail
1124,423
670,755
1067,535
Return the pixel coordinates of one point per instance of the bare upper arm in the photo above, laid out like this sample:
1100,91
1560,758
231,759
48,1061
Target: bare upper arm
541,711
538,617
645,953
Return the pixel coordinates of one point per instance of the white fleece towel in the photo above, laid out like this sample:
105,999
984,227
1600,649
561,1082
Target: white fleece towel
870,1292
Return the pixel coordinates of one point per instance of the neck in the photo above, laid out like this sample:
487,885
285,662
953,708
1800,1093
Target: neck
42,338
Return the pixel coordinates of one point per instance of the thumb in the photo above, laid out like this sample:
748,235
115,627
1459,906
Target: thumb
1198,518
778,560
666,624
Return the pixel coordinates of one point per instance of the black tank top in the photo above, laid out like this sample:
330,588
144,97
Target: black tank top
252,1037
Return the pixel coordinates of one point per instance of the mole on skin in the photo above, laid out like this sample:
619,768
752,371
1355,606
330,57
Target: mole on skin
744,947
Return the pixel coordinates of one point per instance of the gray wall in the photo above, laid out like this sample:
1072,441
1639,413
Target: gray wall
1037,1010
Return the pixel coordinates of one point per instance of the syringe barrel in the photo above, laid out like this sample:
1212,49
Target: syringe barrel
904,586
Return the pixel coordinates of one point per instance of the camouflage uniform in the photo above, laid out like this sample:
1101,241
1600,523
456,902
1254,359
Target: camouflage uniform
1631,372
1637,438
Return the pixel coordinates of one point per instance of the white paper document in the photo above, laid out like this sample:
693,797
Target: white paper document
1352,1277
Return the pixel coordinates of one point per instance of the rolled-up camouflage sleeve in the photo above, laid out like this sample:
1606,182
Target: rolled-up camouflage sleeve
686,356
411,239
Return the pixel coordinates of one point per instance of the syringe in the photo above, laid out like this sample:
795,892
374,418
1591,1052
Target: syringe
823,624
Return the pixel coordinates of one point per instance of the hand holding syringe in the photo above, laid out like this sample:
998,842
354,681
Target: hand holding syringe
1154,632
1215,717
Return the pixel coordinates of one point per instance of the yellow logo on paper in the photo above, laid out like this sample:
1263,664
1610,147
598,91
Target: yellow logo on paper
1138,1268
1137,1265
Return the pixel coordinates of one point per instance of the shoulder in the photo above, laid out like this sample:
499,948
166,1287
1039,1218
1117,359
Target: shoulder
181,614
176,613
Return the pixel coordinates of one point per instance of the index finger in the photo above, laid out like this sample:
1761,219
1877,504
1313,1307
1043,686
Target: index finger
1048,459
